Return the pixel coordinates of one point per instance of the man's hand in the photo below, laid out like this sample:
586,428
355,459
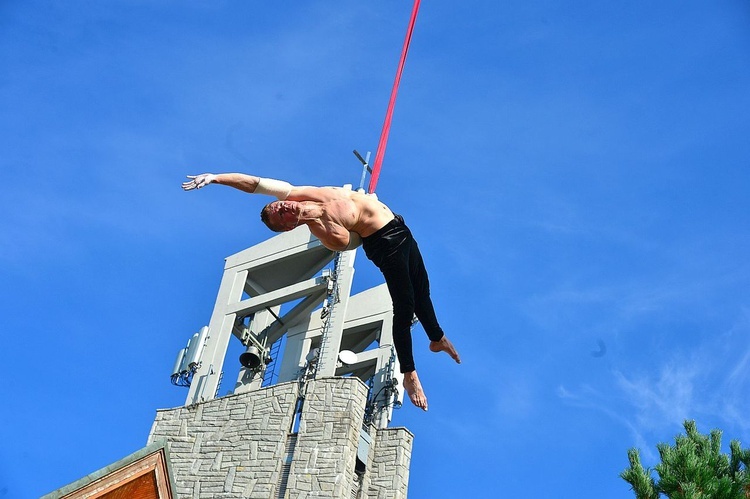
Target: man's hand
198,181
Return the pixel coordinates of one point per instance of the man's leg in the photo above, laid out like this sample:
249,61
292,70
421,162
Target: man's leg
420,283
402,296
396,273
423,305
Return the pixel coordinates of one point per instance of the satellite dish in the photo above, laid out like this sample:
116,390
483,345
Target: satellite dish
347,357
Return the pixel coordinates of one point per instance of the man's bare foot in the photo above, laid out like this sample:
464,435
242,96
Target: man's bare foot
445,345
414,390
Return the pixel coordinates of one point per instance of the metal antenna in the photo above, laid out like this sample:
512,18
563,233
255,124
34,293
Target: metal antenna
365,167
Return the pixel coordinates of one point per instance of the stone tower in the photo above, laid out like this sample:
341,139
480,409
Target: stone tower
308,414
320,429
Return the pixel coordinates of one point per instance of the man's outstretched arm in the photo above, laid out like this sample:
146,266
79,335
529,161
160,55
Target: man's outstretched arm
259,185
246,183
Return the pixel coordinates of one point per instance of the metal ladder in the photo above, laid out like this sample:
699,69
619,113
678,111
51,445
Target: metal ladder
329,307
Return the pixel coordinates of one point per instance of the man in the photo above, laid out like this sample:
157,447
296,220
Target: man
339,218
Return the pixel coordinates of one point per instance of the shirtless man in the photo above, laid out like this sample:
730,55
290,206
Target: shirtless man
340,218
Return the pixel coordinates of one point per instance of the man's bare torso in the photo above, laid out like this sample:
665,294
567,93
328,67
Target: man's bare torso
334,212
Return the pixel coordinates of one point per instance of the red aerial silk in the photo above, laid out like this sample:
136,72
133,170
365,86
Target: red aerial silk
377,164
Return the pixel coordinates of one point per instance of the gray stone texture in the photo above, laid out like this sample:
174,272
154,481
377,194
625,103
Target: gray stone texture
389,464
237,446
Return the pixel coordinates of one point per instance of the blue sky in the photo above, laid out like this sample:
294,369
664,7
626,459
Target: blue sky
576,174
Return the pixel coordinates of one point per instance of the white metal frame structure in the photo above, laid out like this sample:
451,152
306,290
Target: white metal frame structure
289,271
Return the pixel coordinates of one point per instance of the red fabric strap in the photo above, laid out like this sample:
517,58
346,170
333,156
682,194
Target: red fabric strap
377,164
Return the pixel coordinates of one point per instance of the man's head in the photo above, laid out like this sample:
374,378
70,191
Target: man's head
280,216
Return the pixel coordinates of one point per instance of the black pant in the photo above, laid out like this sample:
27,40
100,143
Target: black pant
395,252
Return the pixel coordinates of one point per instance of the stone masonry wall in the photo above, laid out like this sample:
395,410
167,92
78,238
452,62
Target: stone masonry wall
232,447
389,466
324,459
236,446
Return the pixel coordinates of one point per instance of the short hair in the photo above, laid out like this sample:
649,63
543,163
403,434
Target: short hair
266,219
